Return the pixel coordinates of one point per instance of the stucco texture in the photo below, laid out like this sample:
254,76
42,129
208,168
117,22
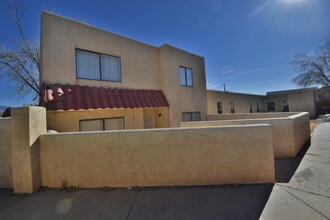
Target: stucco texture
242,102
160,157
290,131
142,66
6,173
27,123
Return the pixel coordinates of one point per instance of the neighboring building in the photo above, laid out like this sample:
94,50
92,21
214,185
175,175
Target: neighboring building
95,80
323,101
297,100
219,102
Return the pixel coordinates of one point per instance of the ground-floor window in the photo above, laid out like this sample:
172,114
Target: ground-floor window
232,107
219,107
258,109
251,107
101,124
271,106
285,106
191,116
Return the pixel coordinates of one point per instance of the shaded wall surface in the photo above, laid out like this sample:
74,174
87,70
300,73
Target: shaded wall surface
6,173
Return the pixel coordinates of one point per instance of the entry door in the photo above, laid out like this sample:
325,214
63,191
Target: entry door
149,121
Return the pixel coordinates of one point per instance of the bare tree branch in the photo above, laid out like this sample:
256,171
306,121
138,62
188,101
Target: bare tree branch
313,70
21,62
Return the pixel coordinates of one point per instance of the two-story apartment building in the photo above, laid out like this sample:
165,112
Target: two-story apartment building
93,79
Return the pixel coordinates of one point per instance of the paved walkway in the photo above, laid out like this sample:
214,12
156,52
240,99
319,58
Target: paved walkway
307,195
218,202
200,202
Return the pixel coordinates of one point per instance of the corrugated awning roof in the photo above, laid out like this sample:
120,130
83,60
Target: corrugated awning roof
75,97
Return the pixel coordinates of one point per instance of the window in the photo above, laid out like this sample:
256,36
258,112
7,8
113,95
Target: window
251,107
191,116
219,107
258,109
232,107
97,66
285,106
101,124
186,76
271,106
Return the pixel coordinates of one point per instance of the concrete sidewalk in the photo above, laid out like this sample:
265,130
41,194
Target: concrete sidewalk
307,195
217,202
199,202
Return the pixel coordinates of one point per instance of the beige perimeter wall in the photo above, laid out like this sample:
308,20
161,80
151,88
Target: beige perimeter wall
162,157
6,173
290,131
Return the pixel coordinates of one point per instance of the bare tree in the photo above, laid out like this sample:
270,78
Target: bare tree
21,62
313,70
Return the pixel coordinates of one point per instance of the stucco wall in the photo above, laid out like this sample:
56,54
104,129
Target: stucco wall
242,102
142,66
301,129
6,172
303,101
182,98
160,157
248,116
289,133
278,100
68,121
27,124
60,37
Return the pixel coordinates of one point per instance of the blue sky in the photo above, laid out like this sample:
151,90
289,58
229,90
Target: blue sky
248,45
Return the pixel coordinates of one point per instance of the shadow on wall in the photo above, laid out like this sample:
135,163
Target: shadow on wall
285,168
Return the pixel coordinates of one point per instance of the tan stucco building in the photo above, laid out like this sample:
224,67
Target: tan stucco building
296,100
89,59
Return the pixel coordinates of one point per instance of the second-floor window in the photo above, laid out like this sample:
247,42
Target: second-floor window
186,76
97,66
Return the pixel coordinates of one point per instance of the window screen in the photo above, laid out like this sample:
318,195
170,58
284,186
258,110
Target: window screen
88,66
91,125
97,66
191,116
186,78
110,68
102,124
114,124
